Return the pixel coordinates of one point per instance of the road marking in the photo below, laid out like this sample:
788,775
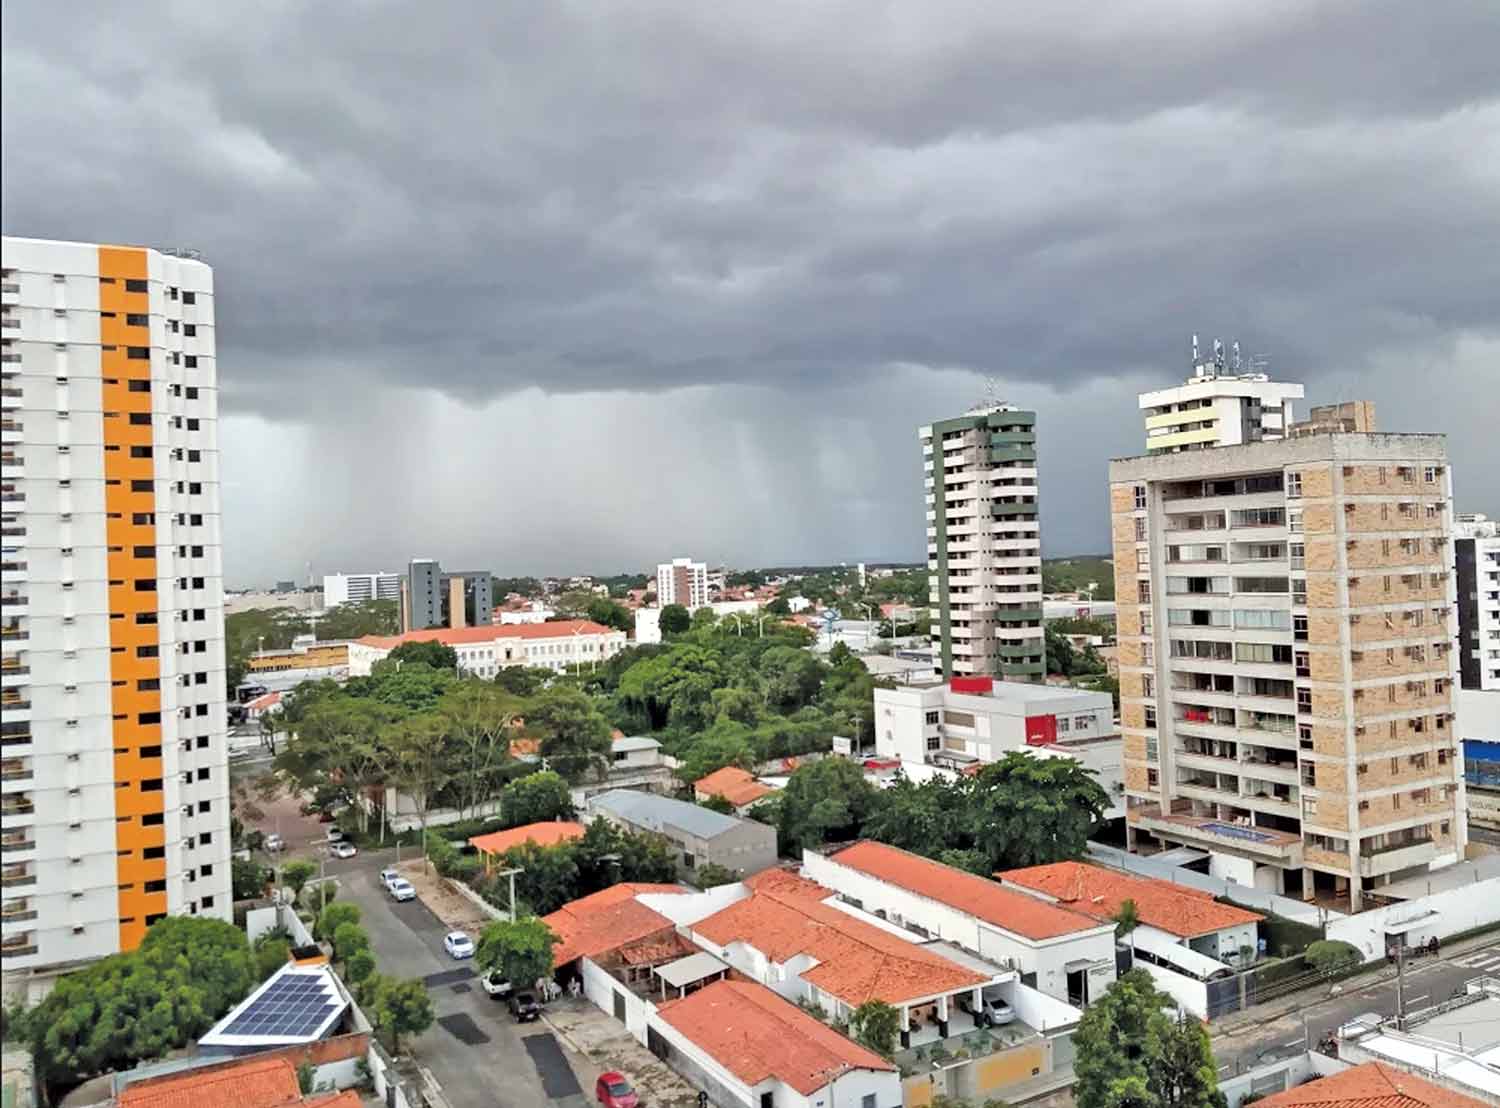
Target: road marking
1479,959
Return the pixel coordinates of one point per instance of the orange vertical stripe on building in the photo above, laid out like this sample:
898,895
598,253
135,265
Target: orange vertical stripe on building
130,533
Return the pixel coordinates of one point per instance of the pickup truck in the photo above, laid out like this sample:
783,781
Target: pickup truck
494,985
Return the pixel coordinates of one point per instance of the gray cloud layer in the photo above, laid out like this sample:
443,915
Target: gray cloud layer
563,285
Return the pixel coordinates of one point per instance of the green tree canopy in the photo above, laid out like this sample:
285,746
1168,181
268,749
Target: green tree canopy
538,797
520,951
431,653
610,614
575,735
523,681
824,801
331,918
877,1025
674,619
1130,1053
401,1008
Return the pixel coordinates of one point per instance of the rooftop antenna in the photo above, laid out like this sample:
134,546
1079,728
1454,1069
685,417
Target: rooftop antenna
312,609
1235,355
1218,355
1195,350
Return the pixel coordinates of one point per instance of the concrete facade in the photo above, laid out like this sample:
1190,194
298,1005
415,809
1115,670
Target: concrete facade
1476,542
1286,620
114,765
700,836
984,544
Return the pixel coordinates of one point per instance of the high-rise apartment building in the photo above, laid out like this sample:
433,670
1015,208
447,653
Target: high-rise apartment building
1286,614
115,783
682,581
356,588
1219,405
1476,541
984,544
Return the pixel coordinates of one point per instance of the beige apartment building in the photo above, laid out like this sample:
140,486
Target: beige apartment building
1286,611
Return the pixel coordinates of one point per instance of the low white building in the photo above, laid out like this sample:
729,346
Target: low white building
1060,953
629,752
647,626
535,612
1185,939
484,651
356,588
968,720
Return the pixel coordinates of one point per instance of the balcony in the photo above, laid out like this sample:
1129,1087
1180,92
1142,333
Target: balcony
1378,861
18,946
15,769
17,911
14,842
1222,833
16,806
15,877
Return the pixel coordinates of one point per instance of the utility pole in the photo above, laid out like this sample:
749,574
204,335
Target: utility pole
1401,984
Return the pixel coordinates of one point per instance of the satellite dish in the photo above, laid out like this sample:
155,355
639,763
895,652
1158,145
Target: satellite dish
831,616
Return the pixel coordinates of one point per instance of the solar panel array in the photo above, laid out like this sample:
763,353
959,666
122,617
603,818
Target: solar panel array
295,1004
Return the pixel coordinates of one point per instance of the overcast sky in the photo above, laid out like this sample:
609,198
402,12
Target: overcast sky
560,287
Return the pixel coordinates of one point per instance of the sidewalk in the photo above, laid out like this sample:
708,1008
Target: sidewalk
1377,973
603,1042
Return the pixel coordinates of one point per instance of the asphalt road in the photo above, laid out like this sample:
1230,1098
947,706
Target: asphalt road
479,1055
1428,981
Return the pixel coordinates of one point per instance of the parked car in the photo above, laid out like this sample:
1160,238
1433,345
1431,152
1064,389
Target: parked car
495,984
343,850
458,944
613,1091
524,1007
993,1012
401,889
388,875
335,835
274,844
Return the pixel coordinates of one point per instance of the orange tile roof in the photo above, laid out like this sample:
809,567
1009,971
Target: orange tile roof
980,897
547,833
1372,1085
461,636
265,1083
756,1035
521,746
346,1099
734,785
1099,893
605,921
856,960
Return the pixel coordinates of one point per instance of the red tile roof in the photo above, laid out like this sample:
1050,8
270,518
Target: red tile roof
1372,1085
857,961
1099,893
265,1083
980,897
461,636
541,834
605,921
264,701
734,785
756,1035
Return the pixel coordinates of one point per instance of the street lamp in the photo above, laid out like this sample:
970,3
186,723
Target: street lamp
870,625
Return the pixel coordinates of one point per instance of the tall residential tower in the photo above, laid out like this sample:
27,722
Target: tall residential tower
1224,403
1286,619
984,544
115,785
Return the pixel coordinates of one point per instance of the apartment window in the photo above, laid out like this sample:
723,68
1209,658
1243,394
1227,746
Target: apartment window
135,284
1140,529
1143,592
1142,560
1148,685
140,419
190,329
190,298
1293,484
1153,748
1140,498
1150,716
934,742
191,361
933,717
138,353
1153,779
1304,701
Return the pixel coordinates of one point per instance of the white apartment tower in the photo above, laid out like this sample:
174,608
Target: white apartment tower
682,581
115,784
356,588
1476,541
984,544
1219,405
1286,614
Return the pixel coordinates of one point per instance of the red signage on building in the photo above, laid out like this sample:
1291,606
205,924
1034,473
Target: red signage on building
976,686
1041,730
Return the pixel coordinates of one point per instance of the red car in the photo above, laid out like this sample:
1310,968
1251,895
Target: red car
613,1091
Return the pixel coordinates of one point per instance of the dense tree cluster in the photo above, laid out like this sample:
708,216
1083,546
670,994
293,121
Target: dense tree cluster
1132,1053
1019,811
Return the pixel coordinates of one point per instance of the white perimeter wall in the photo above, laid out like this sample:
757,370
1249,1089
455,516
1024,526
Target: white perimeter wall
1442,915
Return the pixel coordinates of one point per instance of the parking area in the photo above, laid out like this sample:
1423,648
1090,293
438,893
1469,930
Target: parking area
479,1055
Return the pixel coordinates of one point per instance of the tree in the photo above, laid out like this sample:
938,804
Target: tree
724,744
538,797
1130,1053
401,1008
429,653
1127,919
523,681
674,620
419,766
792,677
296,874
550,877
359,968
717,803
1059,653
974,861
779,607
479,718
876,1025
825,801
248,879
271,953
1030,811
331,918
348,940
520,951
607,612
711,875
575,736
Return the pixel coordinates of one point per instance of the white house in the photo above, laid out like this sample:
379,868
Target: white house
1061,953
485,650
631,752
1184,939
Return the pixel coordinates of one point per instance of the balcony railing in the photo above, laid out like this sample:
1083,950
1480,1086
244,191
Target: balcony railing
17,844
17,880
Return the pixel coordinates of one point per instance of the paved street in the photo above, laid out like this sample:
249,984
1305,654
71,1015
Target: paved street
1428,981
478,1054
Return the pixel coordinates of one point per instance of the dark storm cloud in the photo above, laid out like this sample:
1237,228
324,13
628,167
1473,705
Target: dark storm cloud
594,201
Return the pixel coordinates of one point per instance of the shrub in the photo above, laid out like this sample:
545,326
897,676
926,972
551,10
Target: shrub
1331,955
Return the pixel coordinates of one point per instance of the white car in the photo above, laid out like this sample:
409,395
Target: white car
401,889
335,835
343,850
997,1012
458,945
274,844
495,984
388,875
